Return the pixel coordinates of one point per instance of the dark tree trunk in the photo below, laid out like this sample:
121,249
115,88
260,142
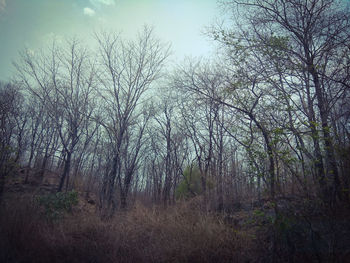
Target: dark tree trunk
2,185
66,171
333,190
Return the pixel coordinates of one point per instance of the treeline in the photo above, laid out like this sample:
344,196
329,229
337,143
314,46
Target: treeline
268,117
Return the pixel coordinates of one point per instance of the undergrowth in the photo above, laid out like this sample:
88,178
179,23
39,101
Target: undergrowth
176,234
55,205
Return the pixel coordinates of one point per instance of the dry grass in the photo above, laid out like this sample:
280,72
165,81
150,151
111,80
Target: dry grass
180,233
176,234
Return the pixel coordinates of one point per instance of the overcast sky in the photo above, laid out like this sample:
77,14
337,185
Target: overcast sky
31,23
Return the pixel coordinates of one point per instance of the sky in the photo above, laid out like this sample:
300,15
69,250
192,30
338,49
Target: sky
32,23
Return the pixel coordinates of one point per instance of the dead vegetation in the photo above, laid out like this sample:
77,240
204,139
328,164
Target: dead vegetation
305,230
176,234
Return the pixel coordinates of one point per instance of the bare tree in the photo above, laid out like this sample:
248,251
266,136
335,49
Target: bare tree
241,92
10,105
128,68
62,80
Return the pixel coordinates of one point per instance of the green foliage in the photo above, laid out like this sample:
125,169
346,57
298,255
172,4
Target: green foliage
190,185
9,164
286,156
276,47
55,205
261,217
284,224
278,42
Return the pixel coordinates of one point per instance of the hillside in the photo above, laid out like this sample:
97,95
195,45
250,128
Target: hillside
181,233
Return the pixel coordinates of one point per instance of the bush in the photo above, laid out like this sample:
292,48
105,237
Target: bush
55,205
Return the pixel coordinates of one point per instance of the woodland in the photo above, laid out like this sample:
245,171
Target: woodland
112,154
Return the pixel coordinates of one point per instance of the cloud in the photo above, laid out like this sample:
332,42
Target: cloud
2,5
89,12
99,3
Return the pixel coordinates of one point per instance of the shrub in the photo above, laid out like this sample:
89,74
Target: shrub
190,185
55,205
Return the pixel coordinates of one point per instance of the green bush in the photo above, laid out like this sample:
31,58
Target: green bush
8,165
191,184
55,205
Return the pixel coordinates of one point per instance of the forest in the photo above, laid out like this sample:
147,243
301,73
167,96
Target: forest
113,154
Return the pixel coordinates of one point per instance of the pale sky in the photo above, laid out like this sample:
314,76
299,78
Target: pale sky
32,23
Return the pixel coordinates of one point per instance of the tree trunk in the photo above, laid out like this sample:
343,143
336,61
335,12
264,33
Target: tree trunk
66,171
332,191
2,185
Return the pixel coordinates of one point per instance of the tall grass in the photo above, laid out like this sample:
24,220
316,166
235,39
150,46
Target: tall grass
176,234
